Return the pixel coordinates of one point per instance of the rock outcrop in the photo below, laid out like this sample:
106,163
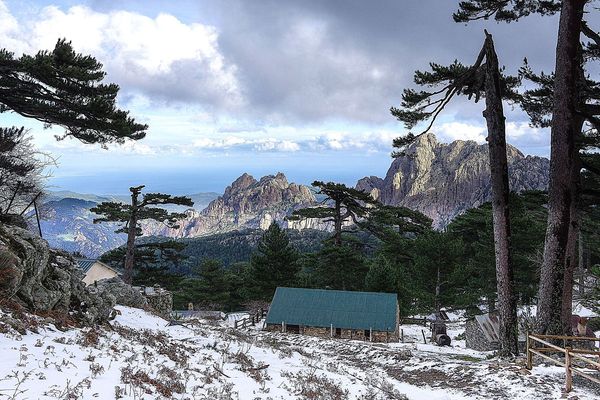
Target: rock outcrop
246,203
44,280
124,294
444,180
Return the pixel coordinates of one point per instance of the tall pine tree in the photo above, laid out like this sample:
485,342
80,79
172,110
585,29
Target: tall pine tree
274,263
342,204
130,215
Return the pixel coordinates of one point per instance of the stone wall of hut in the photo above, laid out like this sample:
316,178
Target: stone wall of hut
354,334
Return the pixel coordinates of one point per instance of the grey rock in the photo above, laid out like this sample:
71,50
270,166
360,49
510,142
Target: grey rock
444,180
42,279
123,293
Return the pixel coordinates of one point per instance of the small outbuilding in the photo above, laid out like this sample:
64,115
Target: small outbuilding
482,333
95,270
334,313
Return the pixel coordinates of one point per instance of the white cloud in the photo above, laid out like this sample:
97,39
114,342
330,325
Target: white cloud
451,131
161,57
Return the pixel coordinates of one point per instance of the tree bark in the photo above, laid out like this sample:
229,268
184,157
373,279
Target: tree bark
571,257
131,234
494,115
438,290
562,153
582,261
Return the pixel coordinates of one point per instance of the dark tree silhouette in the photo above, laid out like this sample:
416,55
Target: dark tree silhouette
130,214
62,87
483,78
343,204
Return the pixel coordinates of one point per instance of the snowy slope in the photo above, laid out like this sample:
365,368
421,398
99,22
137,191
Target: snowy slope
140,357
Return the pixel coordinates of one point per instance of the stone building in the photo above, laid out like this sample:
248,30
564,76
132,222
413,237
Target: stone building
334,313
95,270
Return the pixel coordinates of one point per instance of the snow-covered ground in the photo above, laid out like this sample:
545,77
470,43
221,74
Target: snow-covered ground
140,357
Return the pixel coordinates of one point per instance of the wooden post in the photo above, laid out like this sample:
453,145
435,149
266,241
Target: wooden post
331,331
282,326
370,334
387,336
37,217
569,377
423,333
528,353
402,335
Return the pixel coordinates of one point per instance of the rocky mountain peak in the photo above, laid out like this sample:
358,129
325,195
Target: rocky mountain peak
246,203
243,182
443,180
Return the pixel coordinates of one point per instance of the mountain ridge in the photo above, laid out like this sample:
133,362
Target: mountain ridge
441,180
444,180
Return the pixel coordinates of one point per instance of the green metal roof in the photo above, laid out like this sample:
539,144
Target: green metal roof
322,308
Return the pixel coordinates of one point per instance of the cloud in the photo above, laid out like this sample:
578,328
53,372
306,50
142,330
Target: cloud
162,57
329,142
451,131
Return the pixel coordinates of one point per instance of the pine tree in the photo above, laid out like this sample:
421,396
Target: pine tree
480,79
341,267
567,115
131,214
213,287
62,87
381,276
274,263
343,204
436,259
386,222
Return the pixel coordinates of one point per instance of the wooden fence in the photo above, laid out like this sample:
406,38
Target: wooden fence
250,320
413,321
570,355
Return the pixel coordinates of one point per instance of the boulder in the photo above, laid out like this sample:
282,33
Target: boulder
45,280
123,293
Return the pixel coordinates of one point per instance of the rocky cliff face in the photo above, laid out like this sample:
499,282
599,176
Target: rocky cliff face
44,280
443,180
246,203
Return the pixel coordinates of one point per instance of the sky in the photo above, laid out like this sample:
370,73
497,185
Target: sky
262,86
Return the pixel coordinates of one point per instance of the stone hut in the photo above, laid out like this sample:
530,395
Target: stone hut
334,313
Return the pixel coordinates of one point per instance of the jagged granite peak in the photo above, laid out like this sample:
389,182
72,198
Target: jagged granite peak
246,203
444,180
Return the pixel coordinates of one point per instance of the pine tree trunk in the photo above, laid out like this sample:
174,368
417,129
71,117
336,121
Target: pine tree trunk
438,290
562,153
582,264
494,115
571,259
131,234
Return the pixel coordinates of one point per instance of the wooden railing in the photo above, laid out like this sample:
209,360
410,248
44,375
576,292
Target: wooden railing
250,320
570,354
413,321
